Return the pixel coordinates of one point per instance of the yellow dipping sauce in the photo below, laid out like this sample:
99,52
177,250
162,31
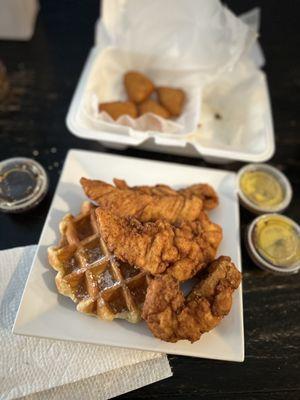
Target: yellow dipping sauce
277,240
262,188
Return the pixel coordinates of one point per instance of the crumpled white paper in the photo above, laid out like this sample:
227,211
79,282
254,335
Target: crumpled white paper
62,370
106,84
178,43
238,99
200,35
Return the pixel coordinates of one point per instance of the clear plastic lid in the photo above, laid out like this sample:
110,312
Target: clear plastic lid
23,184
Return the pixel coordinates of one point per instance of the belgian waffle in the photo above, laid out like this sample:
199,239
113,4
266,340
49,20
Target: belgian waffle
102,285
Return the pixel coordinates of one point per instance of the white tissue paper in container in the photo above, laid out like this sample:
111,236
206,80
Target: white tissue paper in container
178,43
185,35
105,84
234,110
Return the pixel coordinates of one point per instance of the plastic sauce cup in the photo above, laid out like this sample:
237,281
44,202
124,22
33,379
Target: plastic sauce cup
273,242
263,188
23,184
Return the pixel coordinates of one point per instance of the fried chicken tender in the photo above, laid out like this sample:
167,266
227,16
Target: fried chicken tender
201,190
138,86
149,203
151,106
205,192
126,202
172,317
117,108
172,99
155,247
160,189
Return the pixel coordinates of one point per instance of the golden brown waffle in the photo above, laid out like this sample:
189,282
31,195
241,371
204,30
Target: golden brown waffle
87,273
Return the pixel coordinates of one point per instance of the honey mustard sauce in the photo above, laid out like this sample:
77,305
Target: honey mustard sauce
262,188
277,240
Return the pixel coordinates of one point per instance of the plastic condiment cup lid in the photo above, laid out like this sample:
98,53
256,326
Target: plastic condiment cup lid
23,184
278,176
291,263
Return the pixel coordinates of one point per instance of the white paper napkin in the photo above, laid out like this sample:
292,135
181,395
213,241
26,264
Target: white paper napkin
46,369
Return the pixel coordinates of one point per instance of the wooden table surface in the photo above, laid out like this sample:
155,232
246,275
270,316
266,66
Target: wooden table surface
44,73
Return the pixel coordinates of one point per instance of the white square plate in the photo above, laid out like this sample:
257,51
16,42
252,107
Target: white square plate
45,313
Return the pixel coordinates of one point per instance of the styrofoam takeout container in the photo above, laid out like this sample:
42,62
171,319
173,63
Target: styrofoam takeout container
244,132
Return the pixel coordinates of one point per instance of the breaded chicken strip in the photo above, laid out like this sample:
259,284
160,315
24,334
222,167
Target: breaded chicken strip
172,317
205,192
149,203
158,246
201,190
127,202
